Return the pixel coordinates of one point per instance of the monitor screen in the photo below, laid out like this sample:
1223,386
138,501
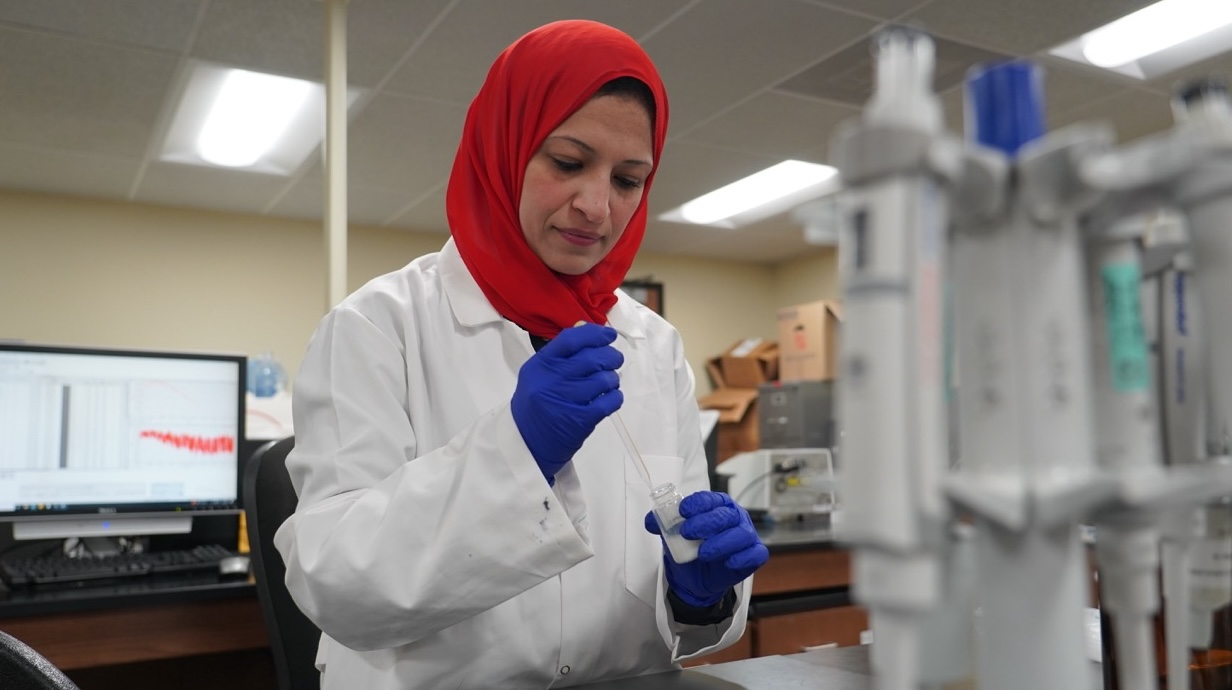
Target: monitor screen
92,439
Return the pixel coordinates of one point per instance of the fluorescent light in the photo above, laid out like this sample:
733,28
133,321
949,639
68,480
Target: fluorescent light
761,194
280,120
1154,28
251,113
1156,39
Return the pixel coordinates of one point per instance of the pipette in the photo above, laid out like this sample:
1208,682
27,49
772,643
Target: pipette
627,439
631,448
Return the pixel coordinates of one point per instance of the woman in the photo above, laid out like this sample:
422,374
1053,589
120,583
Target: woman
468,515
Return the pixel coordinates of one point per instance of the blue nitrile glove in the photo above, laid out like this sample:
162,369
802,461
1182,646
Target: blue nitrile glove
564,390
730,550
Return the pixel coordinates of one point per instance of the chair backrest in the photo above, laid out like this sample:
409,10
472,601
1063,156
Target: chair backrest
22,668
269,499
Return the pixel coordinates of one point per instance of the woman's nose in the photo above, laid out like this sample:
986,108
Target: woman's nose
592,198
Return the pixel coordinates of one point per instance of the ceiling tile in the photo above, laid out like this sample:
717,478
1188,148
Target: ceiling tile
197,186
721,52
952,110
84,85
1068,88
66,173
1132,113
675,238
690,170
882,9
848,75
404,144
365,205
426,216
1018,27
771,241
69,94
283,37
161,24
439,69
802,127
380,32
1065,90
368,206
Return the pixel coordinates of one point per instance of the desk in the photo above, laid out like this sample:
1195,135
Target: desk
152,628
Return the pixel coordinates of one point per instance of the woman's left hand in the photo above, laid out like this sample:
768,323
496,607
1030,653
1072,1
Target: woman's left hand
730,550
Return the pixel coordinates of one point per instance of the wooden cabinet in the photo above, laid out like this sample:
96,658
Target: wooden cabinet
803,570
786,589
142,633
799,632
186,645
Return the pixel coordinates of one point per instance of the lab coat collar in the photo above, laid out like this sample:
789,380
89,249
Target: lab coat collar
471,308
626,318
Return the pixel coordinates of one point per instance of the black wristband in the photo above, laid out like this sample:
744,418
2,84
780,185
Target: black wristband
686,614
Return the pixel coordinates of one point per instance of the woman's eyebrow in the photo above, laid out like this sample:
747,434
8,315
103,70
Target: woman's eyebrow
590,149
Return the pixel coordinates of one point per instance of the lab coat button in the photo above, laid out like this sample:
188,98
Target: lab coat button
564,670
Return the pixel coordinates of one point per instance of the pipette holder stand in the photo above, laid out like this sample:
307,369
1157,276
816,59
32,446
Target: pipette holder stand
1021,236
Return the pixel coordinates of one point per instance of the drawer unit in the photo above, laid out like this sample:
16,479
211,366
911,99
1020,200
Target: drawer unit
798,632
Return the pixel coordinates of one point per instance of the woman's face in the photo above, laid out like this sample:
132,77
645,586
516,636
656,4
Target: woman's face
584,183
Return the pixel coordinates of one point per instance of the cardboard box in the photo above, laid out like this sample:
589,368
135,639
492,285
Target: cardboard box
738,424
746,364
808,341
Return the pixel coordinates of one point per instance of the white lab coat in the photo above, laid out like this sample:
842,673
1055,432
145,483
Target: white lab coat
427,545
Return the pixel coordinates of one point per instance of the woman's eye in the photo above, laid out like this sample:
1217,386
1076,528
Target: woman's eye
629,182
567,165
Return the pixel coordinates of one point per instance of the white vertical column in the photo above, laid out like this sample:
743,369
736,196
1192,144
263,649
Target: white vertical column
335,151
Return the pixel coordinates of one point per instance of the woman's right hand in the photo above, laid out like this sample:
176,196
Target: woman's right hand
564,390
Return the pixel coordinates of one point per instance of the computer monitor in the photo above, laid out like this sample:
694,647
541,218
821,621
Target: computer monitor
107,442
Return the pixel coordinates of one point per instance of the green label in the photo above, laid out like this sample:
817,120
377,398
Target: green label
1128,355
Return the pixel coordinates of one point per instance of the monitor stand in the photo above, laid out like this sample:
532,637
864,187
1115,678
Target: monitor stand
102,526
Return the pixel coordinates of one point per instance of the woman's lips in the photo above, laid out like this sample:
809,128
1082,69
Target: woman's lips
581,239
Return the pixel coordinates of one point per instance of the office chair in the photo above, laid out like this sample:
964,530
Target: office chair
269,499
22,668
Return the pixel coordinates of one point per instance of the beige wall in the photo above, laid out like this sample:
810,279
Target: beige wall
716,303
712,303
88,272
808,278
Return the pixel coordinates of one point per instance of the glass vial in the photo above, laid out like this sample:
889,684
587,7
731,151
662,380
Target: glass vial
667,513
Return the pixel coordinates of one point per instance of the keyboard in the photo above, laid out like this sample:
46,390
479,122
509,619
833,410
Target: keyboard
59,568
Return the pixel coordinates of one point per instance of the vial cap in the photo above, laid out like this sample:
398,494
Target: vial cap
1005,105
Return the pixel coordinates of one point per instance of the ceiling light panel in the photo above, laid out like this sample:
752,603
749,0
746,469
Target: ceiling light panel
246,120
760,195
1156,39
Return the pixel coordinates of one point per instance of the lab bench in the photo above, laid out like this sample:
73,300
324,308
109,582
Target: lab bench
826,669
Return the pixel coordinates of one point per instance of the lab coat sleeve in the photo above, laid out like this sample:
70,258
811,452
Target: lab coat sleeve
388,546
688,641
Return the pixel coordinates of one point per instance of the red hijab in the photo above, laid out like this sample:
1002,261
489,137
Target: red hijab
534,85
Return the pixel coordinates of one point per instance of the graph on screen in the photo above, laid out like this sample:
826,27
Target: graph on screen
78,428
